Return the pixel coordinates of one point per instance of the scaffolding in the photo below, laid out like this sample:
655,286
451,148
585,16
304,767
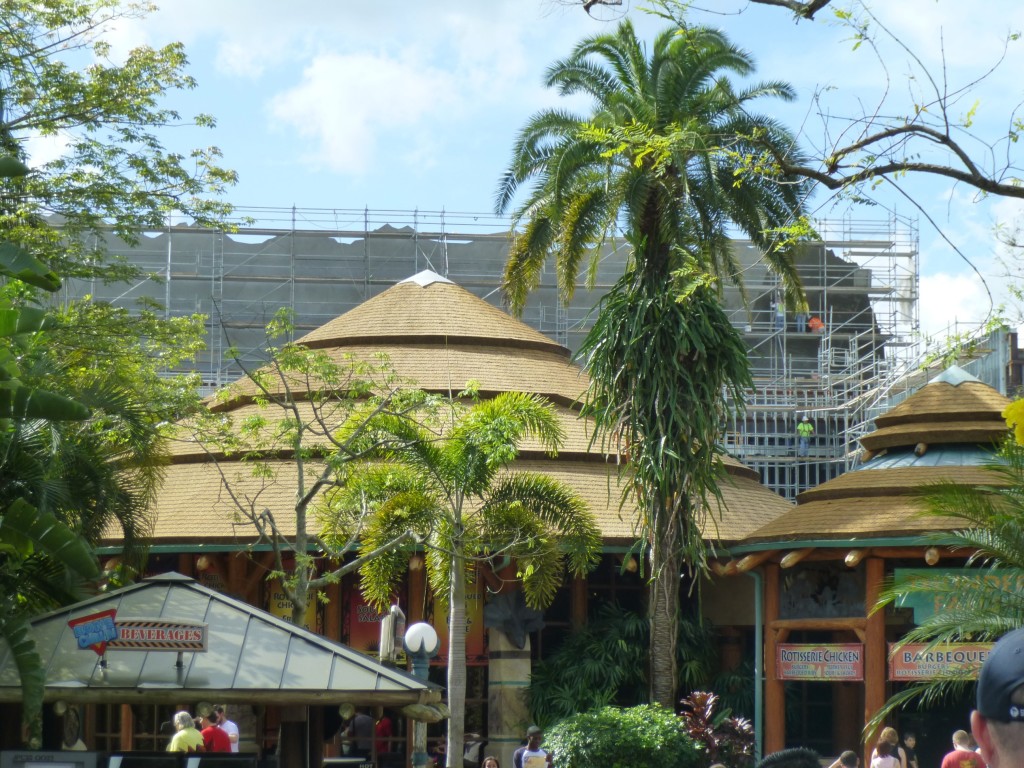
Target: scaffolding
860,280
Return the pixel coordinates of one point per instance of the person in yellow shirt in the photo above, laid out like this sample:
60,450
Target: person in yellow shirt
804,430
186,737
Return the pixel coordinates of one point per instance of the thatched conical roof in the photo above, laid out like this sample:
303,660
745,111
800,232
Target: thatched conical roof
440,336
946,431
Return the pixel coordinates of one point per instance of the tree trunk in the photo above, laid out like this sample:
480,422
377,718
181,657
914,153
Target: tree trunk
457,659
663,612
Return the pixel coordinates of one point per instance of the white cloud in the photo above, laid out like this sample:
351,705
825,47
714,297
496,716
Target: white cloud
348,104
951,302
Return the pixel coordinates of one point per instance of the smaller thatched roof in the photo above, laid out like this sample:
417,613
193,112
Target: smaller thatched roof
956,418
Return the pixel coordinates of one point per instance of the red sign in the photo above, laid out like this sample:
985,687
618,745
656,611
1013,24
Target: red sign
95,630
820,662
919,662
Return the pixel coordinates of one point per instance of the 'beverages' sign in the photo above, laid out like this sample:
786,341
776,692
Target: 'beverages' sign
101,631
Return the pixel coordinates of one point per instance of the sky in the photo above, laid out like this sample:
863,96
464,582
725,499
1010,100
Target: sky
399,106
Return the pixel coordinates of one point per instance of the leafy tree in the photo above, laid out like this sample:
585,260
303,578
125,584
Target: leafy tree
985,602
452,480
80,449
671,153
39,554
300,423
931,133
645,736
58,79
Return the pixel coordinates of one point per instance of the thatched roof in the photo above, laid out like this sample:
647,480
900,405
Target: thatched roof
945,432
439,336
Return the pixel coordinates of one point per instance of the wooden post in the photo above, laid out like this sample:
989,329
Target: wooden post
127,728
578,597
774,689
875,651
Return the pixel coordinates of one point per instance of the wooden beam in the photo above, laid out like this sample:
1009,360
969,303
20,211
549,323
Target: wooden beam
755,559
774,689
852,624
875,649
792,558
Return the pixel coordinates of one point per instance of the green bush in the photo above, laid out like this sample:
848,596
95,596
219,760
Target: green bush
646,736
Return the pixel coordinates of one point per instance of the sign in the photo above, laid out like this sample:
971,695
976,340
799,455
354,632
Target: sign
159,635
363,623
820,662
101,631
279,605
95,630
919,662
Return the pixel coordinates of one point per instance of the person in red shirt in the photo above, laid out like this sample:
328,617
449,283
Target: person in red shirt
962,755
215,739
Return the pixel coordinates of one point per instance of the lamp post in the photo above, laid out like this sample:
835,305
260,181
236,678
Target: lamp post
421,645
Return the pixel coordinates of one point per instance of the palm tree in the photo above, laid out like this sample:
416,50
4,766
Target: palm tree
980,604
453,484
672,155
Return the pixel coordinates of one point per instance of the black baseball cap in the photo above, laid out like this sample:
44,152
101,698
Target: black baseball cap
1001,674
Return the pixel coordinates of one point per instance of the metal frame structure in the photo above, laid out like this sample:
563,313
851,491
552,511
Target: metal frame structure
861,281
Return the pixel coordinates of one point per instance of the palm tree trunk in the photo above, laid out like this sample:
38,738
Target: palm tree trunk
663,610
457,658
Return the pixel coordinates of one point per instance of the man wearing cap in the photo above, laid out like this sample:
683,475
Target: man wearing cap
998,722
214,739
532,756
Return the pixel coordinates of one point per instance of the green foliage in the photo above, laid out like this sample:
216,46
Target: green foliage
605,663
646,736
664,360
307,417
450,480
725,739
658,155
60,78
673,155
979,605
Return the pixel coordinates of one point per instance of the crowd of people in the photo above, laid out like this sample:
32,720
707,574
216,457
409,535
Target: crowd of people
996,739
211,731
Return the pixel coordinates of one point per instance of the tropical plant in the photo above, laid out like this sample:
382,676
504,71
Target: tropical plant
294,427
725,739
981,602
40,556
604,663
673,155
600,664
645,736
452,480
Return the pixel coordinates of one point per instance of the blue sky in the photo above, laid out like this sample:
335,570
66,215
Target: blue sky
397,105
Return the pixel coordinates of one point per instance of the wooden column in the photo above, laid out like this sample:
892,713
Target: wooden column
875,650
578,602
332,612
774,690
127,728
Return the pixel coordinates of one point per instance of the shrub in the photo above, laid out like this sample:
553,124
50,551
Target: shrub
646,736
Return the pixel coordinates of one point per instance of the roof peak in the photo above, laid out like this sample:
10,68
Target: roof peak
425,278
954,375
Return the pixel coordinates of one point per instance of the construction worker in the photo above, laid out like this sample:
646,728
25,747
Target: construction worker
804,430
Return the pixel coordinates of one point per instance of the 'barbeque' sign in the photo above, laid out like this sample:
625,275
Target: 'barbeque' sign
102,631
